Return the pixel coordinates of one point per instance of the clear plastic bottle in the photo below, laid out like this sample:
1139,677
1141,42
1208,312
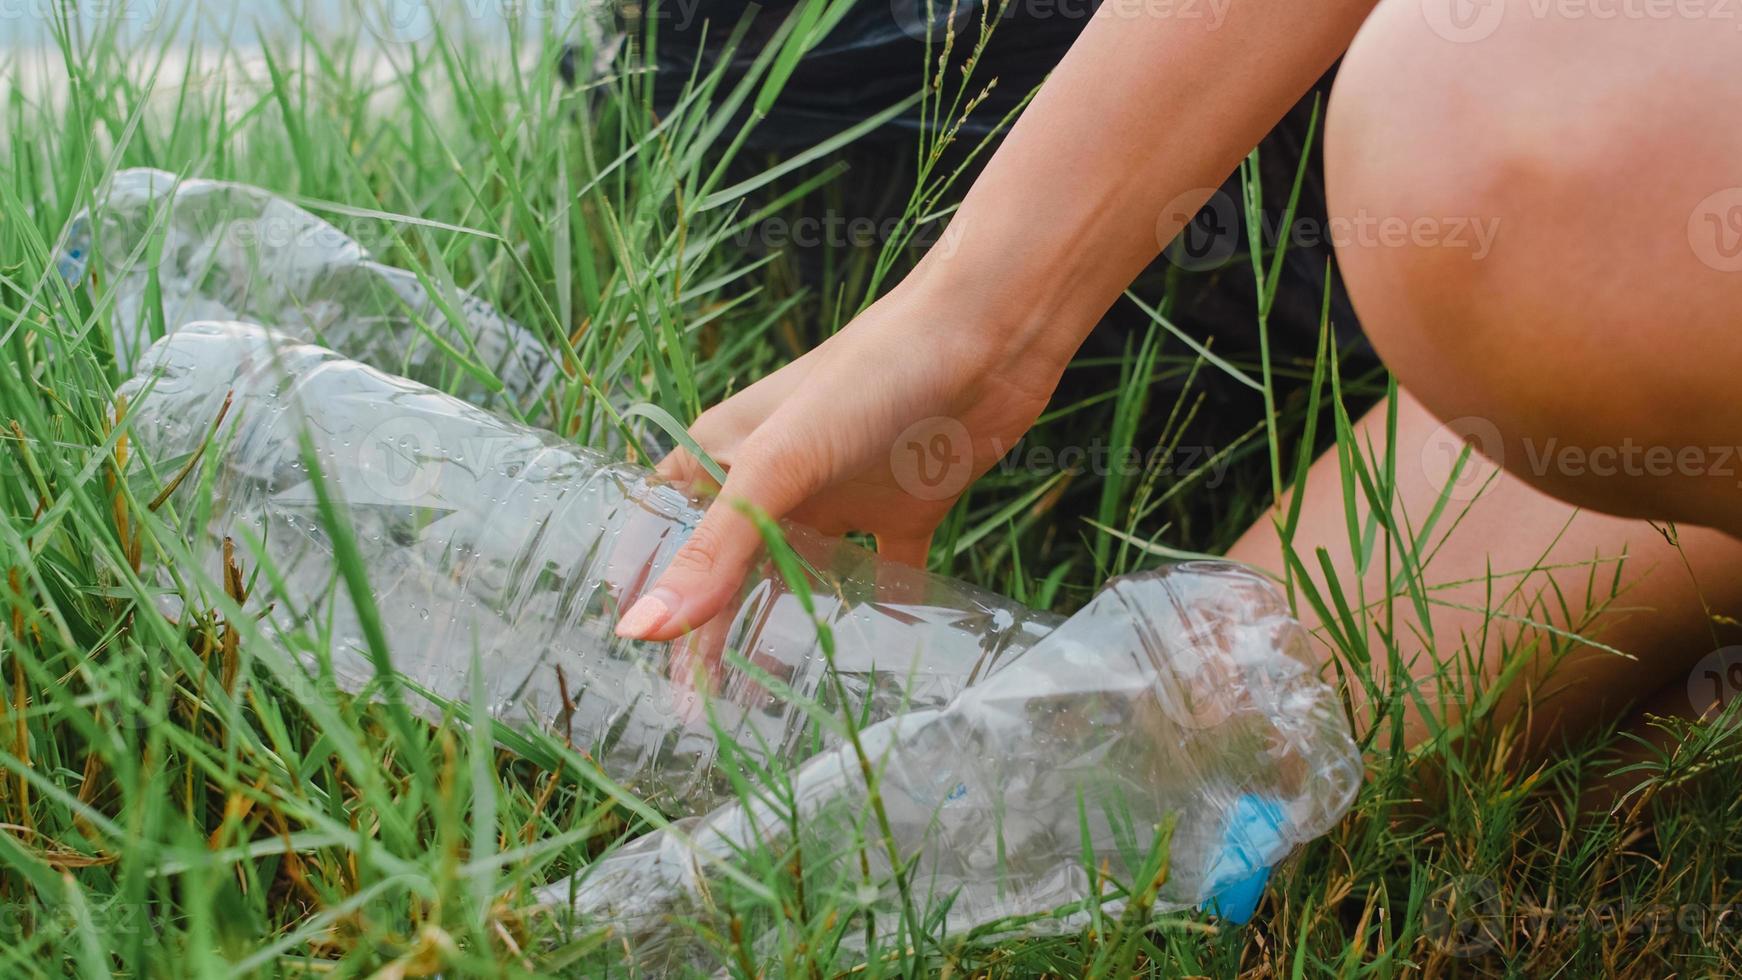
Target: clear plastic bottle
1186,694
236,252
485,537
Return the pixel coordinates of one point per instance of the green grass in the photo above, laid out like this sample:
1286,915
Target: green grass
175,802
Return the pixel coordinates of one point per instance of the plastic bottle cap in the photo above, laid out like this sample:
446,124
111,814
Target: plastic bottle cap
1238,877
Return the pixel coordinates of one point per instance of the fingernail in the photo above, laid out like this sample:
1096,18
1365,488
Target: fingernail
646,615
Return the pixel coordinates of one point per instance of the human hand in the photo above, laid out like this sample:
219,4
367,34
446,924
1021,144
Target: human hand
878,429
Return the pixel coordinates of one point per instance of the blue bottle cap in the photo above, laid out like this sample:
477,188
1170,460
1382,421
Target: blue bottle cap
1237,878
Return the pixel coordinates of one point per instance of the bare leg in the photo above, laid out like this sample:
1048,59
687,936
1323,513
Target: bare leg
1535,560
1594,346
1543,217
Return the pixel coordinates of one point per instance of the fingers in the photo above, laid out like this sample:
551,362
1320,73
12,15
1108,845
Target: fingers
911,551
901,574
681,469
718,431
706,572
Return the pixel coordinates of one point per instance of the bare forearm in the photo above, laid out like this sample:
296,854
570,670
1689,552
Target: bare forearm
1146,106
1151,104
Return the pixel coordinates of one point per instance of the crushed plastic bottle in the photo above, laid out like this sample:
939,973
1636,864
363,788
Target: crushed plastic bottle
486,538
1185,695
1024,765
236,252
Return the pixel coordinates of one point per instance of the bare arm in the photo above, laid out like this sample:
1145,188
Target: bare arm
1157,99
1151,109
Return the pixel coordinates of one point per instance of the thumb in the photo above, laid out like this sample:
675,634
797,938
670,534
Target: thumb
707,571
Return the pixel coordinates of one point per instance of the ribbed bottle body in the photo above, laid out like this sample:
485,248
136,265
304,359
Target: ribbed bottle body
491,543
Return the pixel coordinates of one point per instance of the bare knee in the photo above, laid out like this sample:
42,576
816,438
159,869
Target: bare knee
1518,229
